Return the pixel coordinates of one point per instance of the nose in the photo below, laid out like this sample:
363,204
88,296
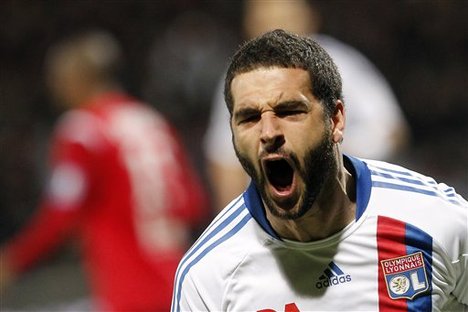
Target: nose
271,136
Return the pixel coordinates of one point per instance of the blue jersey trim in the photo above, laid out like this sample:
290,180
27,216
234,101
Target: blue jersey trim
363,180
226,236
407,188
203,242
406,173
207,232
407,180
417,240
254,203
360,172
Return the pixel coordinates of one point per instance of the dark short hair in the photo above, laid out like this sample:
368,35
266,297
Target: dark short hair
279,48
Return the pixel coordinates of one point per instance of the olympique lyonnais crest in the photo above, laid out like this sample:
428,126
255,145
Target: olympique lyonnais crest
405,276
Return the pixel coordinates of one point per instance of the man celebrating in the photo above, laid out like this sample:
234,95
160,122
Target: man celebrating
318,230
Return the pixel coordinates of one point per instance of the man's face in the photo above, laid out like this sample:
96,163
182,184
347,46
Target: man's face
62,82
282,138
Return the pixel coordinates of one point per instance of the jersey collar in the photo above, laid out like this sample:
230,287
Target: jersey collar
358,169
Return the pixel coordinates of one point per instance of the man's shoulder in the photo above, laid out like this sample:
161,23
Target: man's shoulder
410,184
79,126
418,200
225,243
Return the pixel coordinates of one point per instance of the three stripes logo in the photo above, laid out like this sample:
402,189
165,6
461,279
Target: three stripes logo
332,276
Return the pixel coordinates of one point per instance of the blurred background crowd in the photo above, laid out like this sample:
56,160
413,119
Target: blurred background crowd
176,52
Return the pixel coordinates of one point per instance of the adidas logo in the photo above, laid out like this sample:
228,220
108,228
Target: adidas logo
332,276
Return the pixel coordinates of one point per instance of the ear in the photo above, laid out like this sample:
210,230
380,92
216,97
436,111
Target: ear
338,121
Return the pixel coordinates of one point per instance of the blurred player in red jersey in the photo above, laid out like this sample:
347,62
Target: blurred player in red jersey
119,175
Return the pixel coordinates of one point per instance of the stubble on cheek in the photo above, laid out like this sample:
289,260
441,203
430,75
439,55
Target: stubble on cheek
311,174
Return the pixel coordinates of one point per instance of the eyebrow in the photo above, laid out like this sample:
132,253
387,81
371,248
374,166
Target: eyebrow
293,104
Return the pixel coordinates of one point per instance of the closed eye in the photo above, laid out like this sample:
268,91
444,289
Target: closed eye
246,115
291,108
248,119
287,113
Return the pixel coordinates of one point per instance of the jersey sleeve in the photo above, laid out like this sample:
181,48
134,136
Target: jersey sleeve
461,289
189,299
65,192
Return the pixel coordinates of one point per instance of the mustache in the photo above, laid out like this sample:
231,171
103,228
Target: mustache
282,153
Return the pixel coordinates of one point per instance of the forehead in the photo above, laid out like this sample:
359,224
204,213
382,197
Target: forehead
270,84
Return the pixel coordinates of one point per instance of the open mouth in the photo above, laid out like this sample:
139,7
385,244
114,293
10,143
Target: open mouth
280,174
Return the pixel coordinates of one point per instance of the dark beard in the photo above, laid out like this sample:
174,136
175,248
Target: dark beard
319,166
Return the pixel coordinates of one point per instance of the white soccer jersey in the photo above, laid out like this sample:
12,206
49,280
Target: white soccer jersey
407,250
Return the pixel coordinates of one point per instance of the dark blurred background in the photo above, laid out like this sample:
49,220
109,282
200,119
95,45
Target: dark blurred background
177,50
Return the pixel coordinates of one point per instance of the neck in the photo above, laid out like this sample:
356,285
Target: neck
333,210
